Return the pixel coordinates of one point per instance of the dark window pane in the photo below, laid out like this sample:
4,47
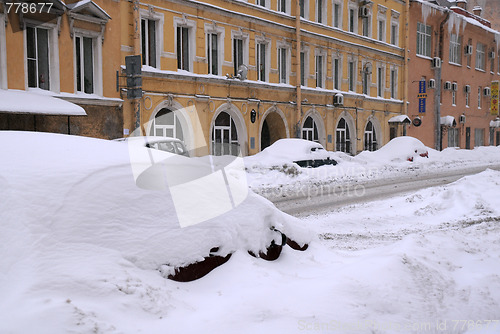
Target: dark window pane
88,65
143,42
152,43
43,58
78,49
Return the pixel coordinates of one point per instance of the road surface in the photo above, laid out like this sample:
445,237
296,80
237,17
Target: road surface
325,198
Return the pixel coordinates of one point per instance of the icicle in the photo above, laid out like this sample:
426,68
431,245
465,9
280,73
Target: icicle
426,11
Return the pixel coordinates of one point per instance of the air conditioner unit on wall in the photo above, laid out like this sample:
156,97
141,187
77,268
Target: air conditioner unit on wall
468,50
447,85
467,88
338,99
487,91
364,11
436,62
462,119
432,83
454,86
491,54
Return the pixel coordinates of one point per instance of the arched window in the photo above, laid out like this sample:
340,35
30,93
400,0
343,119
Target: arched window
370,137
225,136
310,130
166,124
343,137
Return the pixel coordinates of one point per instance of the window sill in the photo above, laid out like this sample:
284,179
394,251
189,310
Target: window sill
480,70
423,56
455,64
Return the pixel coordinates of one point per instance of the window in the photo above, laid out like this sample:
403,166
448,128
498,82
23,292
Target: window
453,98
343,137
492,60
166,124
380,81
261,62
213,53
480,59
261,3
455,49
237,54
394,33
337,73
225,136
467,95
320,11
394,83
148,42
310,130
352,20
320,71
479,92
282,7
351,75
381,30
453,139
37,57
366,78
304,8
84,56
282,65
303,68
183,62
337,15
365,24
370,137
469,56
424,33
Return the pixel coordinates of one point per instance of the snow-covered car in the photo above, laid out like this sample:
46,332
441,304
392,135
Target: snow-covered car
167,144
402,148
89,202
304,153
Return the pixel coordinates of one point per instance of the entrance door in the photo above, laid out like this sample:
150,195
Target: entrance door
467,138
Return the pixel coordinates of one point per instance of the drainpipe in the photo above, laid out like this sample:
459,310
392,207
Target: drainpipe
437,95
295,116
406,57
136,104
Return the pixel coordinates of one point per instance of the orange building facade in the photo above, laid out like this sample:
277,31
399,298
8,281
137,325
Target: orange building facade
453,63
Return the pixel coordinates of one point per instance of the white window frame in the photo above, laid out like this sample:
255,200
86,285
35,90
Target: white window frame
321,17
288,7
455,49
338,18
352,9
288,60
236,34
381,76
424,40
191,26
266,3
393,84
97,48
480,56
337,82
267,60
352,80
366,78
159,20
211,29
305,51
323,54
382,23
3,54
306,9
54,76
368,19
82,72
394,23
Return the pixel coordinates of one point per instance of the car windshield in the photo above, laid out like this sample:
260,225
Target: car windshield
166,146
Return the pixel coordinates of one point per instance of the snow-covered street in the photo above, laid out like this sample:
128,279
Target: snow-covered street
86,251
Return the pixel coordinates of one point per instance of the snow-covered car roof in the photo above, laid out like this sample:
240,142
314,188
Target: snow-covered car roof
140,140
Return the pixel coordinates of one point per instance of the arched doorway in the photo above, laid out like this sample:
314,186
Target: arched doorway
343,137
166,124
273,128
371,143
224,136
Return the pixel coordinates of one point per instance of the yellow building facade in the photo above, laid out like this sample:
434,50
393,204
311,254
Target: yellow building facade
331,71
